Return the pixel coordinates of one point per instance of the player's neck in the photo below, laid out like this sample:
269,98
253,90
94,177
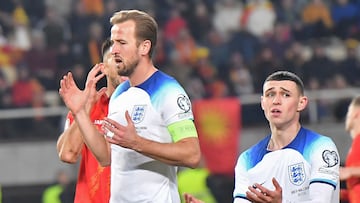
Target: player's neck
141,74
281,137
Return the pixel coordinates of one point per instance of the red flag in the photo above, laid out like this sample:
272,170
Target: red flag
218,123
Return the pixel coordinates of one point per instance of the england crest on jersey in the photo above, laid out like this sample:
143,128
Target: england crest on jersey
297,173
138,113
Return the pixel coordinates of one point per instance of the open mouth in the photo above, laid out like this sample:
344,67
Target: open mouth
118,60
275,111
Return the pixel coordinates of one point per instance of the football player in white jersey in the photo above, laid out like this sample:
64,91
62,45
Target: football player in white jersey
150,123
292,164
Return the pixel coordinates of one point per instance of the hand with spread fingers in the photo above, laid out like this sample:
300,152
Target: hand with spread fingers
94,75
76,99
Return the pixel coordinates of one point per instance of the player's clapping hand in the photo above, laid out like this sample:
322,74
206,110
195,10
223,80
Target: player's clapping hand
259,194
72,96
94,76
124,136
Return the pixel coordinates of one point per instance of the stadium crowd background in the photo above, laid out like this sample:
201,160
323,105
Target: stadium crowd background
215,48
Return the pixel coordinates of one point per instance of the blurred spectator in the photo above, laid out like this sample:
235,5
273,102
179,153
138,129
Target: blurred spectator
246,43
199,22
280,40
264,65
185,45
200,76
58,192
345,15
293,58
195,87
63,7
111,6
259,17
35,9
18,33
288,11
340,106
162,51
94,7
240,76
350,66
319,69
94,43
41,61
316,19
26,90
218,52
64,60
174,25
318,73
55,28
79,24
217,88
226,19
178,69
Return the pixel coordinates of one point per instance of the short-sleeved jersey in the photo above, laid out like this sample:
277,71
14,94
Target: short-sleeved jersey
353,160
93,184
153,105
308,159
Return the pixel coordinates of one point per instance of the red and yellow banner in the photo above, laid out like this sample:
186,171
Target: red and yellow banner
218,123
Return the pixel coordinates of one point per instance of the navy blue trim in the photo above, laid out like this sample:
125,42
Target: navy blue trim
319,181
240,196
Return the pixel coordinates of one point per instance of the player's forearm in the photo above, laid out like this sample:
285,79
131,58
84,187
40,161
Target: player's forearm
69,144
185,152
93,139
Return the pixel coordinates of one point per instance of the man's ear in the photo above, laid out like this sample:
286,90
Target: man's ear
145,47
102,68
302,103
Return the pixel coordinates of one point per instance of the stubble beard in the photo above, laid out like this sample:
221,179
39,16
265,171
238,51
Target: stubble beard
127,69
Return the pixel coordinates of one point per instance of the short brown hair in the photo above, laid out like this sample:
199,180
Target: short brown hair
105,47
286,75
146,27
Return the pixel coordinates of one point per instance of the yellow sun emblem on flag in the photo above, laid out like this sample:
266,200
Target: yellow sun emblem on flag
214,125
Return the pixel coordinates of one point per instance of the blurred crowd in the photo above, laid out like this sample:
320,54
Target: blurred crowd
215,48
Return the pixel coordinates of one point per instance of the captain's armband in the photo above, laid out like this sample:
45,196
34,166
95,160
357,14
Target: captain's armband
182,129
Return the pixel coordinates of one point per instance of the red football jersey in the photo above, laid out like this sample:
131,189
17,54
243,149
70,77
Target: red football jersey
93,184
353,160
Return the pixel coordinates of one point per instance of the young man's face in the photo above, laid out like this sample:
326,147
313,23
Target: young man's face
282,102
124,48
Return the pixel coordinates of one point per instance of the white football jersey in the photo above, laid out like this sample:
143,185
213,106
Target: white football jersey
153,105
309,158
